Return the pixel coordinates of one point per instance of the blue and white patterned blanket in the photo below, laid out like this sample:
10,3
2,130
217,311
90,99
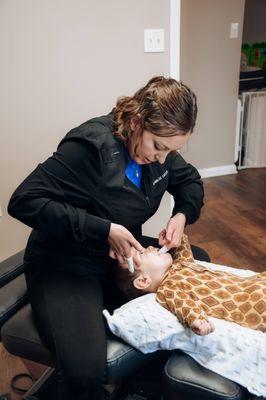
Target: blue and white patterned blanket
233,351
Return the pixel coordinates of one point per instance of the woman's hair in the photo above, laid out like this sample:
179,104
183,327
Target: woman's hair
124,280
164,107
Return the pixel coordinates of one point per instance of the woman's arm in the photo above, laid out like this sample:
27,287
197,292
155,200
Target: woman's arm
186,187
55,197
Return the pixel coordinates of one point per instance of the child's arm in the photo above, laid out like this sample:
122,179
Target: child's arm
183,252
186,309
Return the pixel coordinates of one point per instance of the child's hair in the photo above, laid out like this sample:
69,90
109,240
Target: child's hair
125,284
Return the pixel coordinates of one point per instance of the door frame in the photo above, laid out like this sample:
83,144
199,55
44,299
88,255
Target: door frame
175,28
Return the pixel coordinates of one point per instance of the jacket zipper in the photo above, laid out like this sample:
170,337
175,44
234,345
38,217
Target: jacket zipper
146,193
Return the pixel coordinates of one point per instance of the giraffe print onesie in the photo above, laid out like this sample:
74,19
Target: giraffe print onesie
191,292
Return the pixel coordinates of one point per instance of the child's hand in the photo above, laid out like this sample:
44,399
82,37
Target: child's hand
202,327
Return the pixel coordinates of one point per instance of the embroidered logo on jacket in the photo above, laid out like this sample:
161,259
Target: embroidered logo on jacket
160,178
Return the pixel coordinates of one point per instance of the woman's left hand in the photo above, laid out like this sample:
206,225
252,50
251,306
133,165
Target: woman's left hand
171,236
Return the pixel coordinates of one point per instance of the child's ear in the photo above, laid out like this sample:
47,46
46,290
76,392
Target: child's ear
142,282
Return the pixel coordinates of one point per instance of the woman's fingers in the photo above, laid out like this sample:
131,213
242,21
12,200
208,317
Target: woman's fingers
171,236
124,247
176,239
123,264
134,243
169,232
137,259
121,240
112,254
166,237
132,250
120,259
161,237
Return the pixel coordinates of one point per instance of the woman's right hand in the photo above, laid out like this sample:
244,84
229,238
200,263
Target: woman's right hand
121,242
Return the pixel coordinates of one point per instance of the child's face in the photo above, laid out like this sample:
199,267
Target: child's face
154,266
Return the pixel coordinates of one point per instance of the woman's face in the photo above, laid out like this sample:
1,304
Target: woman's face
146,147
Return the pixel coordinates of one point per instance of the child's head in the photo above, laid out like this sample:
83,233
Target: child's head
148,276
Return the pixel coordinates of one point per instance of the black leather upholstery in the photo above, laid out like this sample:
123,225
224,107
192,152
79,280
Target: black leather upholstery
13,296
20,337
185,379
11,268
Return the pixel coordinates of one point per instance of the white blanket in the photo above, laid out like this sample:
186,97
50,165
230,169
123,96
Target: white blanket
232,351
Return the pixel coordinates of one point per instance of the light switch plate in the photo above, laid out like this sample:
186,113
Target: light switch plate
234,30
153,40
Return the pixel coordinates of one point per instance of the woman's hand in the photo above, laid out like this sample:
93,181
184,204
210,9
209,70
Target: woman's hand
171,236
121,242
136,257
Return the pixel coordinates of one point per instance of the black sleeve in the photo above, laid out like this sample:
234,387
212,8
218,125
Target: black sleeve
186,186
55,197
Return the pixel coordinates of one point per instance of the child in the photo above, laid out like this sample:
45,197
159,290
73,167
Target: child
193,293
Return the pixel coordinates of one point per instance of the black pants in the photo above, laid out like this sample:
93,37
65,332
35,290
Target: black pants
68,313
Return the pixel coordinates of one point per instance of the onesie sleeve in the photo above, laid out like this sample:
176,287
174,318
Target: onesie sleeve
186,186
182,252
55,197
180,303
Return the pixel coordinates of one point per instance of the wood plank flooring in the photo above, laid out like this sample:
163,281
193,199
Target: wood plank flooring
9,366
232,228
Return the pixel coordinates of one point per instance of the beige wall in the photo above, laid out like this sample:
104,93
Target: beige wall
210,65
62,62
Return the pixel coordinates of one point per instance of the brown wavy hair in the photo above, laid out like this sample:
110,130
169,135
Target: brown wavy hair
164,107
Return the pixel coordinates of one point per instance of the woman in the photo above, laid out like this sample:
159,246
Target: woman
86,205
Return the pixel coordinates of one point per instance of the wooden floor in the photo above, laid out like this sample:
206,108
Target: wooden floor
10,366
232,228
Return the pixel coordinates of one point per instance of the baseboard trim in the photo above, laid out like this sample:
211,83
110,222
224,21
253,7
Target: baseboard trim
218,171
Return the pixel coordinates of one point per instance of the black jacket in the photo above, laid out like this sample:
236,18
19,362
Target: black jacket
71,199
